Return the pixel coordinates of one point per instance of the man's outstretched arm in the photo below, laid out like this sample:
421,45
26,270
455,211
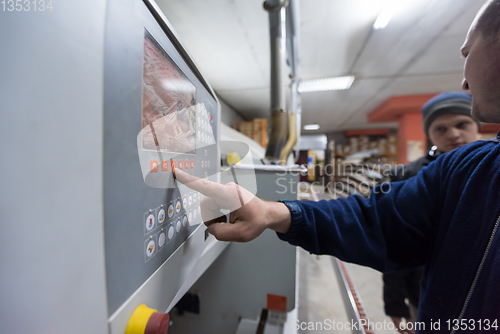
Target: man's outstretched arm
390,230
249,215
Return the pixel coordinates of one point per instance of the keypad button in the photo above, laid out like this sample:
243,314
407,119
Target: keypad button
161,216
161,239
153,166
150,248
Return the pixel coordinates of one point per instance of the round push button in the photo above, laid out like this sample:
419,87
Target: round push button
161,216
170,211
157,324
161,239
150,248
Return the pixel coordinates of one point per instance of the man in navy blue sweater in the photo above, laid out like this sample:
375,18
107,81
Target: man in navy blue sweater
446,218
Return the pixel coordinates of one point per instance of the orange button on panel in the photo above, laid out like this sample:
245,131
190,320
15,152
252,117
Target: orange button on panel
181,164
172,164
153,166
164,165
192,164
186,164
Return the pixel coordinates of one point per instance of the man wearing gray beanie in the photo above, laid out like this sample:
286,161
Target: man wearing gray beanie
443,113
448,124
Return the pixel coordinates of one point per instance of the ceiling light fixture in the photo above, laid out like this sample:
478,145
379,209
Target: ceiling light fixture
320,85
311,127
386,13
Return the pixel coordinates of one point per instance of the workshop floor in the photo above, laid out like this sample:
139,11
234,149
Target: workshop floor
320,300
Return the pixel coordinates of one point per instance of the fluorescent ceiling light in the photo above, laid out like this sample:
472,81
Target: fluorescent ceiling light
386,13
311,127
320,85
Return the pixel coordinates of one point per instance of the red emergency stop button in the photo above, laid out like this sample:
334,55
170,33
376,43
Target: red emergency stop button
157,324
145,320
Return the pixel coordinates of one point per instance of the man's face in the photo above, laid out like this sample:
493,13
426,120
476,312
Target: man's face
450,131
482,74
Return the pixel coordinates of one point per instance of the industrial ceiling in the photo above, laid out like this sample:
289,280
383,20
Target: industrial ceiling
417,53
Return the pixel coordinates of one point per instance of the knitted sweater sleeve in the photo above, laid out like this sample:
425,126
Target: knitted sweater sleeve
392,229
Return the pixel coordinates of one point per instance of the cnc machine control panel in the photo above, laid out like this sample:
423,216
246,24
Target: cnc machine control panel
159,113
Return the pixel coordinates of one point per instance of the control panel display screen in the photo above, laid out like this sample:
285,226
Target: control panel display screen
168,103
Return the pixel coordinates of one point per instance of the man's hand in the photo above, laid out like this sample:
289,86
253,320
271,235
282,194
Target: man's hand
401,325
249,215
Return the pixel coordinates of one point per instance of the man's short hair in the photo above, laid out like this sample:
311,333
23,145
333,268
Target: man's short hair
489,21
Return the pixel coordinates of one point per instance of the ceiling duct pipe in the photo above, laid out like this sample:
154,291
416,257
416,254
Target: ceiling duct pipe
293,118
277,24
295,104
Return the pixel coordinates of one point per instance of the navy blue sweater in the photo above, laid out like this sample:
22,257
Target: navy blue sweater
445,218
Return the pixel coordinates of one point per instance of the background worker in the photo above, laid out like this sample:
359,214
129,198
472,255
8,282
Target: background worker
448,124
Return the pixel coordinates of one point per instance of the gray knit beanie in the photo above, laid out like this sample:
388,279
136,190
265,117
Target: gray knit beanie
446,103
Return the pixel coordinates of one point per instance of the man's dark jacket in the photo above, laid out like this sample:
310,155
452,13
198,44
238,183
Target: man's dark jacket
445,218
404,284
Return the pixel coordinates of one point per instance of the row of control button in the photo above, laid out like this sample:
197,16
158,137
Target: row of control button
181,164
206,138
203,124
156,242
159,215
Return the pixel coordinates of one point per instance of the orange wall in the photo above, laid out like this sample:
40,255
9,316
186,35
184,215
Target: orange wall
410,128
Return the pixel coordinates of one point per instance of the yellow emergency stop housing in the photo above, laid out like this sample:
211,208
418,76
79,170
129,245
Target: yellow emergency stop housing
233,158
139,319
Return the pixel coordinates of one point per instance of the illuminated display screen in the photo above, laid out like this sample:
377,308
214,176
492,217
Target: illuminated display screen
168,103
